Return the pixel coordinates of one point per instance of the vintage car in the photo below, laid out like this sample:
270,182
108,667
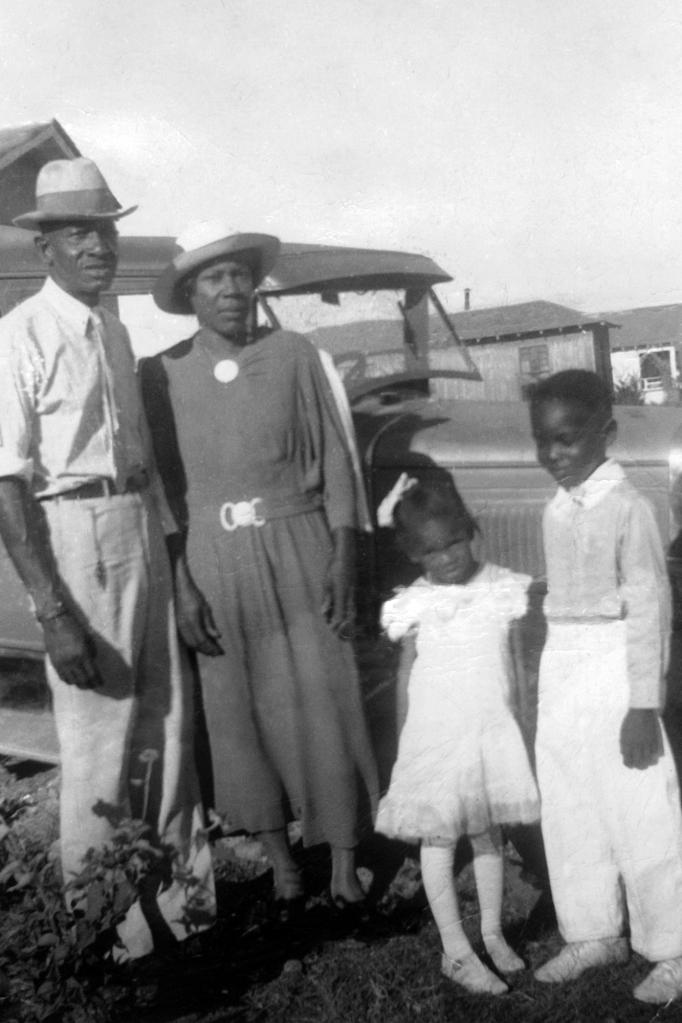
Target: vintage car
390,375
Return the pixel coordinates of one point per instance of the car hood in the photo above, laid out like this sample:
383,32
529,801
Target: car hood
468,433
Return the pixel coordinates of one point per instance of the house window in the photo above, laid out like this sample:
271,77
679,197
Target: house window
533,366
655,369
534,361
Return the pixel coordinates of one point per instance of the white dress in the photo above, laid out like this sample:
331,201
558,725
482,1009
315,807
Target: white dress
461,765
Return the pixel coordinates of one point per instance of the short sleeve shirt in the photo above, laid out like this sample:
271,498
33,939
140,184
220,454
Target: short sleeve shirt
70,409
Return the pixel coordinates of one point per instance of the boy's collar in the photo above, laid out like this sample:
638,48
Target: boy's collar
590,492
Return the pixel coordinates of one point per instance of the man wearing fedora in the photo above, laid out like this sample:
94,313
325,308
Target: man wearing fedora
84,520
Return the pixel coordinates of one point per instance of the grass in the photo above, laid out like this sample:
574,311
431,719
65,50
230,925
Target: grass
320,970
251,968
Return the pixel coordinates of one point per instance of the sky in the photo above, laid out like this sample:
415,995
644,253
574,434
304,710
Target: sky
533,148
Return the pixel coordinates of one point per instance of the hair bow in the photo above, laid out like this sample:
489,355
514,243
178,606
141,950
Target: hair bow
395,494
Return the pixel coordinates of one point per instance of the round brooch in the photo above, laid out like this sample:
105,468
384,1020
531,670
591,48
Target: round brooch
226,370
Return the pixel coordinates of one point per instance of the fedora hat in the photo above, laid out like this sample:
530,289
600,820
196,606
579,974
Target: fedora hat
71,190
203,243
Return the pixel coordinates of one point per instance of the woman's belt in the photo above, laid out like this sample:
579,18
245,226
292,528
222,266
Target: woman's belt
256,511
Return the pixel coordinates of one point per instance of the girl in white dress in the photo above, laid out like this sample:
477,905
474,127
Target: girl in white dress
462,767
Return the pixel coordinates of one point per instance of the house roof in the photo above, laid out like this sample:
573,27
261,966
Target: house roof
49,137
24,149
647,327
521,320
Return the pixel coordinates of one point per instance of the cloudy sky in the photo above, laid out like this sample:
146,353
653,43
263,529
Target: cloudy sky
532,147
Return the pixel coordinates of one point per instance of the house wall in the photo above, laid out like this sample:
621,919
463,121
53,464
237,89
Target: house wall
17,187
500,365
627,367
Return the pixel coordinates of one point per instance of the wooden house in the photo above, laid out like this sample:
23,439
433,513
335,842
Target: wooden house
513,346
23,151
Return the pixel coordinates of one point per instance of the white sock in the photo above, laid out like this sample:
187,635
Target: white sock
437,863
489,873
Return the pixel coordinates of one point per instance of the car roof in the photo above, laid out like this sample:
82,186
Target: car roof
304,269
300,269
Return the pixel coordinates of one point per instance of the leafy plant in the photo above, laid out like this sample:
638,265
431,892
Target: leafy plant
628,392
58,941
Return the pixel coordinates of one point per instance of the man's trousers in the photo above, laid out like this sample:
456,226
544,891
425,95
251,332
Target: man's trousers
613,835
129,743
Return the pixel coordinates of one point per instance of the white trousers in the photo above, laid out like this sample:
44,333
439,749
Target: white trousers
613,835
128,744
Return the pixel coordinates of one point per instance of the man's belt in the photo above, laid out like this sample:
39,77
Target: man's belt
103,486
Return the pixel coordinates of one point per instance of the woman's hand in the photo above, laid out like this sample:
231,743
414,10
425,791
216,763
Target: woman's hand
338,606
194,615
641,741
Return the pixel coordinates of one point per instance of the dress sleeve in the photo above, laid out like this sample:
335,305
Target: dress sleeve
645,595
328,467
168,475
511,594
346,416
399,615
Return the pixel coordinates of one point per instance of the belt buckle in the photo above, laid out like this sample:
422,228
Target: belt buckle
241,513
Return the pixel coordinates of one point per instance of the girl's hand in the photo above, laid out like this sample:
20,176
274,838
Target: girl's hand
338,605
641,740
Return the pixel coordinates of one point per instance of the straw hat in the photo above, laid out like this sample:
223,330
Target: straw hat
71,190
203,243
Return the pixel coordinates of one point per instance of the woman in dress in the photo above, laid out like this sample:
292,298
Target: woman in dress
257,468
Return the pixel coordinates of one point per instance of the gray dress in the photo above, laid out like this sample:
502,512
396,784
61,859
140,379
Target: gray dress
284,712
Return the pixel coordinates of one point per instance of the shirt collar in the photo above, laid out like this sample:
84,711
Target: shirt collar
591,491
69,308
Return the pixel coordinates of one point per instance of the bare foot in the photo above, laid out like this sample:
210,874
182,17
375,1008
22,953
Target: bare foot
345,887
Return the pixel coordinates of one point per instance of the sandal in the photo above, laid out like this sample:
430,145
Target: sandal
350,911
289,893
472,975
504,957
288,884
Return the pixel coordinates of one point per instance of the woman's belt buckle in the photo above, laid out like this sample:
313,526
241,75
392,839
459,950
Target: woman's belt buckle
241,513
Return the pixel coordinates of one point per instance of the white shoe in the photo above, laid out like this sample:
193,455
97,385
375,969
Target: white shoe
504,957
578,956
662,985
473,975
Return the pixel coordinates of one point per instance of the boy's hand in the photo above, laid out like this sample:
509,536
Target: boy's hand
641,741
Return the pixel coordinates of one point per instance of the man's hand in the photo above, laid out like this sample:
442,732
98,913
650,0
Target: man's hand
338,605
641,740
194,615
71,650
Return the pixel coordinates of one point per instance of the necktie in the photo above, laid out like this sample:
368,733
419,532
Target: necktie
96,332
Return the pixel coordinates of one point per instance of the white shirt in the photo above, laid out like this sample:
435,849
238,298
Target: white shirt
605,560
70,406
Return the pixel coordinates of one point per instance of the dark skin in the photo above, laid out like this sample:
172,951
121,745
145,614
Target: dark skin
68,643
193,612
443,552
220,294
570,446
81,257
